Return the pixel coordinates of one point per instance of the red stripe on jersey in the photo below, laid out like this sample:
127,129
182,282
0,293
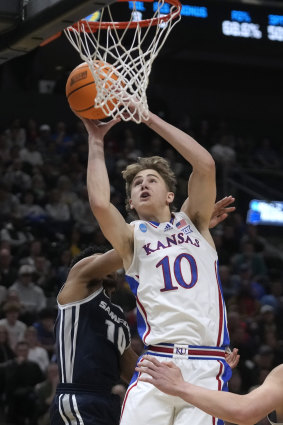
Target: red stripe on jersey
161,349
145,317
219,384
218,376
220,308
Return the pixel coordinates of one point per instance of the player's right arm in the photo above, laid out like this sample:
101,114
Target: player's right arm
92,270
239,409
128,362
112,223
202,185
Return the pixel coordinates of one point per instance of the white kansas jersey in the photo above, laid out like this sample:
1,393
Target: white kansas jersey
174,276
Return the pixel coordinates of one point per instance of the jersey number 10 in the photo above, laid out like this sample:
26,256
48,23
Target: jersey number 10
177,270
120,336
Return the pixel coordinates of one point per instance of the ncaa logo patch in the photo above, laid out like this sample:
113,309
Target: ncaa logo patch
143,227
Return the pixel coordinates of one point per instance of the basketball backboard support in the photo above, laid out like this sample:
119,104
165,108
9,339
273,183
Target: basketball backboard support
31,22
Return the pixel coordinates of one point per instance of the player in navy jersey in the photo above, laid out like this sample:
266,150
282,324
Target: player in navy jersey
92,344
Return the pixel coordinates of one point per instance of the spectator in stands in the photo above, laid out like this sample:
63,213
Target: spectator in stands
67,194
31,155
82,214
230,283
251,258
44,134
36,353
16,177
63,141
21,375
6,352
35,248
30,211
267,323
261,244
45,330
58,212
43,274
75,241
31,296
9,203
8,271
45,392
39,188
63,267
15,327
16,134
266,155
32,130
223,152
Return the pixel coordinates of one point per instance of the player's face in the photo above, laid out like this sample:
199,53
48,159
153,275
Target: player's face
149,194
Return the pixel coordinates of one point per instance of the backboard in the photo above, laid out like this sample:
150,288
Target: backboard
25,24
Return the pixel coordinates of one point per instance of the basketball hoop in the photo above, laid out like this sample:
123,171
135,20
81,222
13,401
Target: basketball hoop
131,53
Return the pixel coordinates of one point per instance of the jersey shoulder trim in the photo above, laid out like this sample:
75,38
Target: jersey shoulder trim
80,302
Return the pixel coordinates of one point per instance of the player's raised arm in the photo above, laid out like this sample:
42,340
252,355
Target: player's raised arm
87,273
202,187
109,218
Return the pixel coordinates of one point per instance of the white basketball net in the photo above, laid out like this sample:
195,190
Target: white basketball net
125,95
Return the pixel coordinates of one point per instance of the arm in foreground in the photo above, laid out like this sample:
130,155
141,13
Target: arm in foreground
240,409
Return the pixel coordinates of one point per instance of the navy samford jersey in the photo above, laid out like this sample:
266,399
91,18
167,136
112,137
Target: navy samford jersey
91,335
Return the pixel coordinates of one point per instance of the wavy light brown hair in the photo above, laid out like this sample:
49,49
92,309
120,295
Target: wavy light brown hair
156,163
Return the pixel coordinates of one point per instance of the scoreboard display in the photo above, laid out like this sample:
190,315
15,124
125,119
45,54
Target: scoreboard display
228,27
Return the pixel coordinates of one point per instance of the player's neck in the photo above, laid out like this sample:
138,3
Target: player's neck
157,218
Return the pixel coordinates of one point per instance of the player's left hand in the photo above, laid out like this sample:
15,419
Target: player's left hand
221,210
232,358
98,129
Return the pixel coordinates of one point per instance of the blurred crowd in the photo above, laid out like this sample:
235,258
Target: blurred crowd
45,220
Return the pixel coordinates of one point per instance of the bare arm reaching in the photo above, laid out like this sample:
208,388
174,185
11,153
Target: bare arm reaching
112,223
202,188
88,270
240,409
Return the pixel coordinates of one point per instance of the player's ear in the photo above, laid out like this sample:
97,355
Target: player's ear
131,204
170,197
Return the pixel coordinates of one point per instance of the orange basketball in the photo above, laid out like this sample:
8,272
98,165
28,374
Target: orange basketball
81,90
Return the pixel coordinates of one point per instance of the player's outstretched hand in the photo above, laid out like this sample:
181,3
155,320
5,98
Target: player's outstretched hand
221,210
232,358
98,129
165,376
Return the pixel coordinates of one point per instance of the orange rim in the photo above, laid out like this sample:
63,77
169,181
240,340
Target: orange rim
94,26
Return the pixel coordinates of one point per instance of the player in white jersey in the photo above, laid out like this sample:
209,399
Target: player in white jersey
248,409
181,312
